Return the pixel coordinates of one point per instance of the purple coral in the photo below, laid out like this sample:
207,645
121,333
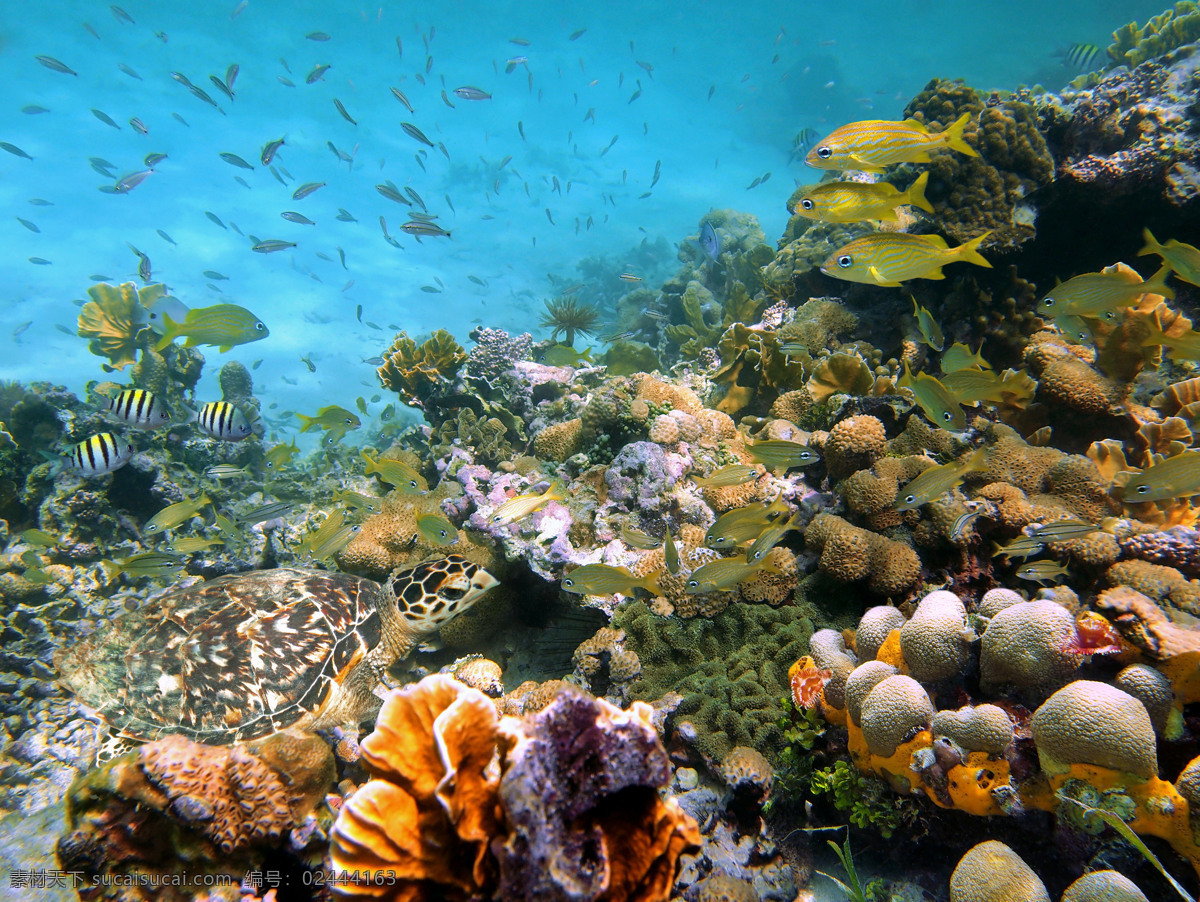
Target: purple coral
639,478
496,352
1177,547
578,761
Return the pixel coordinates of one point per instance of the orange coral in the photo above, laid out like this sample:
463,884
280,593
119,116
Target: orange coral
421,829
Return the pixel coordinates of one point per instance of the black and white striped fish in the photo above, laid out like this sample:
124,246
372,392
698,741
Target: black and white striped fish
139,408
100,454
227,422
1083,57
224,421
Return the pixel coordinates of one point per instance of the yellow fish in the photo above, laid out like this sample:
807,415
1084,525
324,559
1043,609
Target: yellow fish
931,484
281,454
396,473
602,579
523,505
1172,477
743,524
889,258
733,474
725,573
223,325
934,399
331,418
436,529
1097,293
780,454
1179,347
174,514
931,332
959,357
859,201
874,144
1183,259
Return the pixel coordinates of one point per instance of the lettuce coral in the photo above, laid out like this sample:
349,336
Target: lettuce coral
114,320
415,372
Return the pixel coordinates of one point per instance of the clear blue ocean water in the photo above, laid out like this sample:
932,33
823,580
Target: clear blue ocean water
715,91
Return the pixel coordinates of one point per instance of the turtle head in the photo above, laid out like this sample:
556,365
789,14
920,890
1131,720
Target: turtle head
431,594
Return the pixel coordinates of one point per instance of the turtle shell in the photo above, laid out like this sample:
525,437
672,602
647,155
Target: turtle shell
245,655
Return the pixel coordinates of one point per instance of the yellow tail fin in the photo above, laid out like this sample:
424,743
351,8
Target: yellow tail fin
915,194
1157,283
969,252
954,136
170,332
1152,245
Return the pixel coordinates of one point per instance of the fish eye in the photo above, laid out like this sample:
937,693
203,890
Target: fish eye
824,153
805,455
1048,302
909,499
349,422
845,261
947,416
806,204
258,327
1142,489
413,483
693,584
567,581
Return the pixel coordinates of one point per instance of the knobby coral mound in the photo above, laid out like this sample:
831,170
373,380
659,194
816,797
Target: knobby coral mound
465,804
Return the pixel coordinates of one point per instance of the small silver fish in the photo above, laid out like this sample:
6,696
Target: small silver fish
272,245
306,189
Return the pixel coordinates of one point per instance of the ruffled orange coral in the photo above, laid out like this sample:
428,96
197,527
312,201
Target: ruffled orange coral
420,830
114,319
414,372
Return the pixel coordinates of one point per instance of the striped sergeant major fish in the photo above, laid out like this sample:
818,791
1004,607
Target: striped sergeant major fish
224,421
139,408
100,454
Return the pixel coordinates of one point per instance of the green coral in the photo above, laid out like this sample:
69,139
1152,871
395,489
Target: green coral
731,670
415,372
1173,28
1082,817
986,193
115,321
624,358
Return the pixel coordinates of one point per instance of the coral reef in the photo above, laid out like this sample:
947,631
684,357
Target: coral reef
416,372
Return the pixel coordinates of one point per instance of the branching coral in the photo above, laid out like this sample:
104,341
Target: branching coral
415,372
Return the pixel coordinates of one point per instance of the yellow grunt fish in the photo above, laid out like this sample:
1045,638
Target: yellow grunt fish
1020,547
174,514
635,538
436,529
330,538
959,357
889,258
1179,347
743,524
874,144
223,325
523,505
602,579
770,537
860,201
1041,571
779,454
935,400
670,553
396,473
716,576
1183,259
931,332
734,474
1098,293
1172,477
931,484
972,386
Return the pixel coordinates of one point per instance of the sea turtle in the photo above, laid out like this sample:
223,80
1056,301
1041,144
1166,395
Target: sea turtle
245,655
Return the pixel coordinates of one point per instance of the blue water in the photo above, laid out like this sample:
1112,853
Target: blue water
772,70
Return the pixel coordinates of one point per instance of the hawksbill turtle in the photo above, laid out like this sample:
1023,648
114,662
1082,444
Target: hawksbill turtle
246,655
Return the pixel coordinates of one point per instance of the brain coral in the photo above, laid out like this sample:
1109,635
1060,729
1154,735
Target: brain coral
988,192
828,649
978,728
875,626
1025,645
992,872
1103,886
861,681
560,441
936,641
1152,688
1087,722
895,708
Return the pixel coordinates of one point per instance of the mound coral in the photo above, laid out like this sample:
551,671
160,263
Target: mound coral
895,708
1026,645
416,372
992,872
989,192
1087,722
849,554
936,642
